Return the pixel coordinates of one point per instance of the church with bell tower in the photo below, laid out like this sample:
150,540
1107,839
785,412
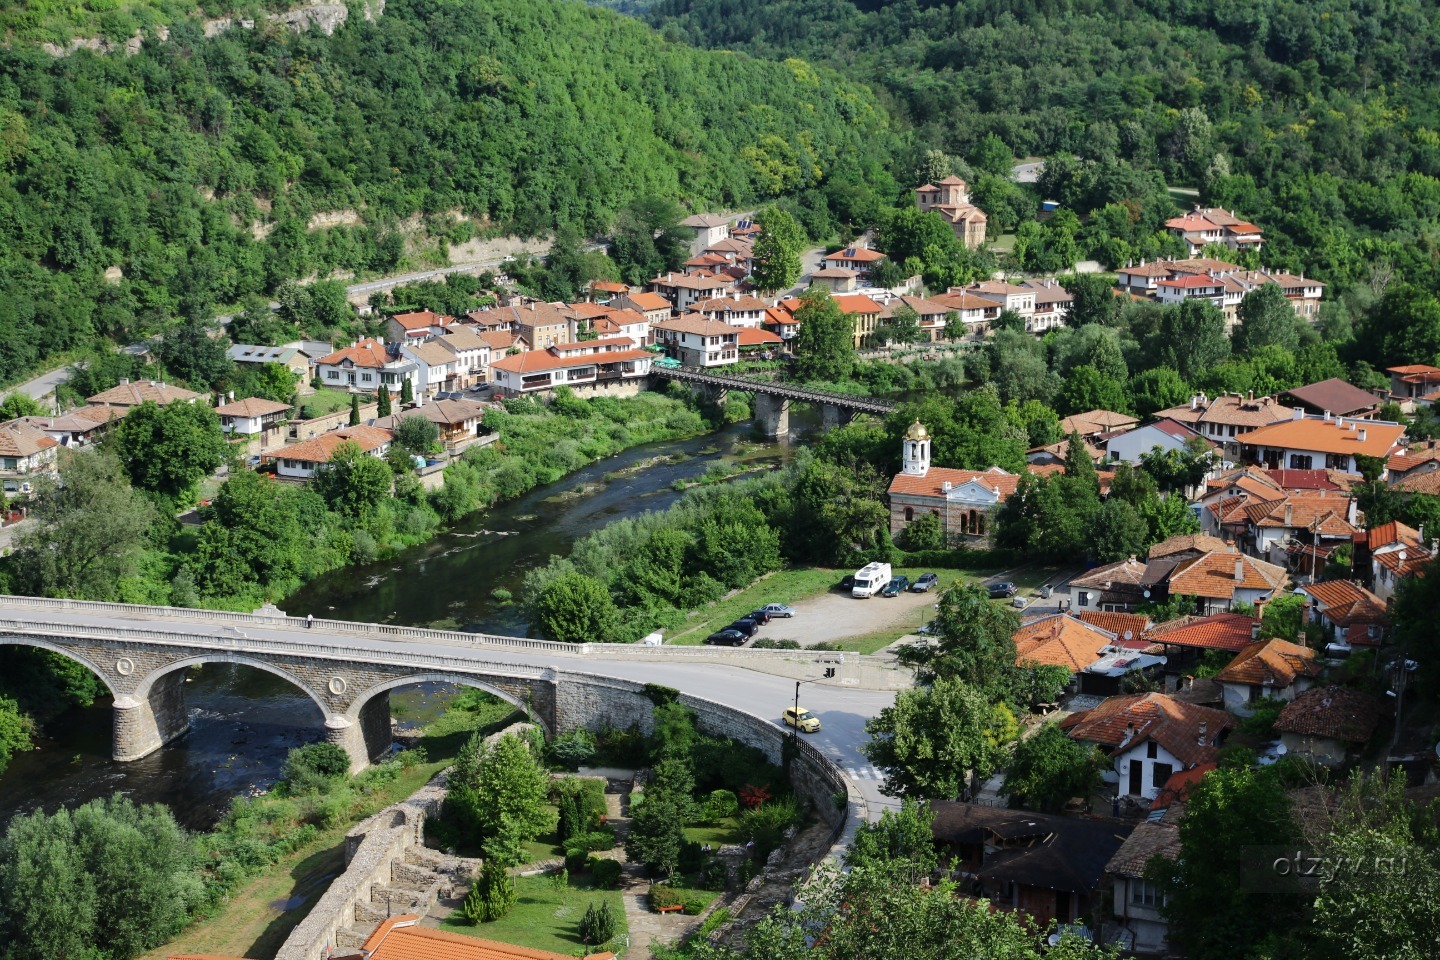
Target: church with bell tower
964,500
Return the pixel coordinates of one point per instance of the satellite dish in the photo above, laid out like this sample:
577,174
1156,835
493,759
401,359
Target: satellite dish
1147,593
1129,635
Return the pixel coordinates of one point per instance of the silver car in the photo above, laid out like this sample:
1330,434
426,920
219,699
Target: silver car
778,610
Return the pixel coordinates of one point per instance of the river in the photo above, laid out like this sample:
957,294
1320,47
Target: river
244,721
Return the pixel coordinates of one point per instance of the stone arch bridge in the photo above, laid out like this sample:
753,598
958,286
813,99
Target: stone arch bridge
347,669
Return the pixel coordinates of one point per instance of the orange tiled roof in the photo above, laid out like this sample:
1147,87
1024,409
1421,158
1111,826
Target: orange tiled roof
1230,410
1061,640
856,303
399,939
1336,713
931,485
756,337
1213,575
1096,421
744,302
368,353
134,394
19,440
1177,790
1202,542
421,319
322,448
1345,602
251,407
535,360
1220,631
1121,723
1131,571
1274,663
1125,626
1427,483
1317,511
1328,436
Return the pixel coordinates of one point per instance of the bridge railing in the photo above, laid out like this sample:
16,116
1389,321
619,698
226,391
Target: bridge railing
278,620
868,404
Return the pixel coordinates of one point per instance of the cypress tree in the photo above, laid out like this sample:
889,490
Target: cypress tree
354,409
382,408
407,392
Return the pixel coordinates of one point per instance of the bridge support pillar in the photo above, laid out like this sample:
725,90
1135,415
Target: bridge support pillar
366,740
832,416
772,414
144,726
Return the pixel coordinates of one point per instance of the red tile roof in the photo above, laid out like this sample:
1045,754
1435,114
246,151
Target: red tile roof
856,303
1345,602
932,484
756,337
1274,663
322,448
1328,436
369,353
134,394
535,360
1196,542
649,301
1220,631
399,939
1335,395
1122,723
1213,575
1336,713
421,319
251,407
1177,790
1061,640
19,440
1127,627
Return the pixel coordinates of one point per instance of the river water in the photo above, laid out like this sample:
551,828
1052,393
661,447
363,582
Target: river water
244,721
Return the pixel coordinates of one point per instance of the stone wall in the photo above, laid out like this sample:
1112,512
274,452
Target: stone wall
143,726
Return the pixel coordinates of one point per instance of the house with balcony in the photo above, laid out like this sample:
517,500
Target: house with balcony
1348,612
1414,385
459,421
471,352
26,454
253,418
858,259
975,311
1206,225
587,364
438,367
930,315
1136,903
1052,305
366,365
1313,443
699,342
1011,296
1223,418
737,309
683,290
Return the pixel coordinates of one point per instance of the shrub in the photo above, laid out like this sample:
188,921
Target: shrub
598,924
714,875
572,750
578,848
766,824
314,768
721,804
752,797
770,643
491,896
692,857
605,873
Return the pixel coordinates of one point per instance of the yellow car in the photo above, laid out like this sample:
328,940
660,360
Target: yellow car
801,719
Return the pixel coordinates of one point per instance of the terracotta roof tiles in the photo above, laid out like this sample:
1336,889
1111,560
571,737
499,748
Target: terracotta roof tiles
1061,640
1274,663
932,483
1214,575
1328,436
1149,840
1220,631
1121,723
1336,713
251,407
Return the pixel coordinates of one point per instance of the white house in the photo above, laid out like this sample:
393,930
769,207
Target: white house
471,351
252,417
1012,297
439,367
738,310
300,461
1316,443
698,342
1136,903
709,230
1271,668
684,289
858,259
25,454
1149,737
586,363
364,366
1165,434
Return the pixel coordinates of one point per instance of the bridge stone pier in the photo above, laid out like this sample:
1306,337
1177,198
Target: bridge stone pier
772,414
833,415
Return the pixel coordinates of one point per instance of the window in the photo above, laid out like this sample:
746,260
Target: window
1300,461
1146,894
1338,461
909,514
332,374
9,463
367,377
1152,750
1084,598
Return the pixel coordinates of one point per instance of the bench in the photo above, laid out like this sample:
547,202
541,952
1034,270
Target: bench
674,907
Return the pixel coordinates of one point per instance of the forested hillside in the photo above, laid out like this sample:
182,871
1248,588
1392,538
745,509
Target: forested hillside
196,166
1318,120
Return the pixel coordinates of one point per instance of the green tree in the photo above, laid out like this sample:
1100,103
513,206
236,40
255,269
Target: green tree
192,354
417,434
1120,532
657,831
992,155
1048,768
932,738
353,482
975,641
382,403
1231,818
925,532
169,449
575,608
19,404
1094,301
1158,388
16,730
491,896
825,342
407,392
314,768
354,410
777,250
91,530
498,795
901,837
1190,338
598,925
1266,319
1402,327
1086,388
106,881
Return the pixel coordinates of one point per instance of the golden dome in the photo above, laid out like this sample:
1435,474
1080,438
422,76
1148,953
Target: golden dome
917,431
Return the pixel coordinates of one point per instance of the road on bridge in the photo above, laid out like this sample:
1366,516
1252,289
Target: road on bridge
842,710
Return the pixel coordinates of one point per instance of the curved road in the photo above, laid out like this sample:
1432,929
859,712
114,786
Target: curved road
842,710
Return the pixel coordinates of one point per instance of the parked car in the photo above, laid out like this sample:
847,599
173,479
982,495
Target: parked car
847,583
759,616
727,638
746,626
1002,590
929,630
253,462
924,583
897,585
801,719
779,610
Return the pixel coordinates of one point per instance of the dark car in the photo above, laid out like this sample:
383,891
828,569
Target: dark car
896,586
727,638
1002,590
924,583
759,616
847,583
746,626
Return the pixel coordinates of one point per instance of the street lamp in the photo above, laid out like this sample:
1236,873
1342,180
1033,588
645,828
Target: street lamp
1400,670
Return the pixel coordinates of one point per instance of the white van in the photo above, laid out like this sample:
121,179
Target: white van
870,579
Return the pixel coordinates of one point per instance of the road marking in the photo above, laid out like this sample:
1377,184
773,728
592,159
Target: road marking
863,773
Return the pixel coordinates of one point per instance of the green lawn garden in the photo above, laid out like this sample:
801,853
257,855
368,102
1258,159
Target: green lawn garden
546,916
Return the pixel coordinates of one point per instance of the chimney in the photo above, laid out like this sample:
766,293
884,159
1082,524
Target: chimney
1327,416
1340,422
231,396
1195,401
1361,435
1289,514
1260,609
1239,571
1129,733
1255,630
1299,413
124,381
1204,729
1187,682
946,486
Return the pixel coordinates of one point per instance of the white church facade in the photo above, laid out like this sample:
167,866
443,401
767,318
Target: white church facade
964,500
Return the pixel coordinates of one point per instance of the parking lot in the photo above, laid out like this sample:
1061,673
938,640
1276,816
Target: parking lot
838,616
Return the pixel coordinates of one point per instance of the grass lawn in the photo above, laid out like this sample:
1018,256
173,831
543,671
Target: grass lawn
323,401
716,834
544,918
784,586
546,845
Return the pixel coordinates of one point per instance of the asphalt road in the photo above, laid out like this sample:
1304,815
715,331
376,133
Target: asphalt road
1028,171
842,710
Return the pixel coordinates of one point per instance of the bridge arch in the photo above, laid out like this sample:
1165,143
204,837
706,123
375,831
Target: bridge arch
364,699
19,640
143,689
